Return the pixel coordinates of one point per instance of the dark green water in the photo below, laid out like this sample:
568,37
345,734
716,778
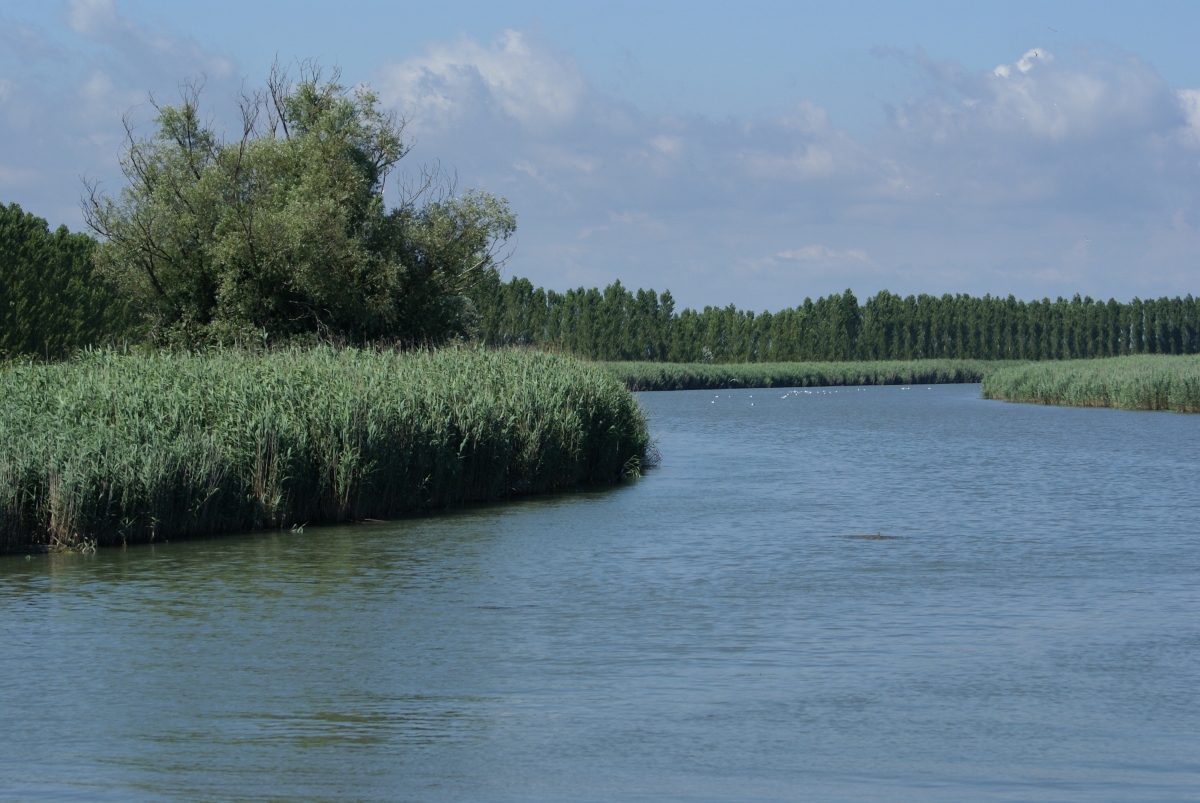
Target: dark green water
707,633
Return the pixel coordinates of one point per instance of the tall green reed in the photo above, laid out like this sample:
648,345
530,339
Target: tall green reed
703,376
1127,383
114,449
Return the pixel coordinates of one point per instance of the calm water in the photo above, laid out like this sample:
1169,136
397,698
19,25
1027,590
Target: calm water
707,633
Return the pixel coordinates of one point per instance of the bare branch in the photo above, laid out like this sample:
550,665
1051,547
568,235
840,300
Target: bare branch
279,86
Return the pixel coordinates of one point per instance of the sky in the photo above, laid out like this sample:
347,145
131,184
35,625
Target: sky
752,153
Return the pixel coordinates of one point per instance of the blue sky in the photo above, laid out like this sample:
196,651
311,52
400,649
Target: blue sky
754,153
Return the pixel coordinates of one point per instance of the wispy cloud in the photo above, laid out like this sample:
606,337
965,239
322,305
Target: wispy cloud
983,181
821,253
1189,104
99,21
515,76
63,93
1052,172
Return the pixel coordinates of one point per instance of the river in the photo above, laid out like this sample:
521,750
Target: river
1023,623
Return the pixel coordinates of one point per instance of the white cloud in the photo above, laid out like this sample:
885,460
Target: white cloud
1166,266
99,21
641,219
1049,99
1053,173
1189,102
1025,63
64,91
93,18
807,161
17,177
518,76
807,118
103,101
831,266
667,145
821,253
26,43
980,183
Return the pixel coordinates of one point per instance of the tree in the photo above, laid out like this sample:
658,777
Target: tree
50,304
283,233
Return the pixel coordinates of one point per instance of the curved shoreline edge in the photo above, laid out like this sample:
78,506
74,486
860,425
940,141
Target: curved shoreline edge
119,449
1143,382
111,449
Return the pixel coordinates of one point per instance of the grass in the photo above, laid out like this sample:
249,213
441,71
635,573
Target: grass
116,449
701,376
1126,383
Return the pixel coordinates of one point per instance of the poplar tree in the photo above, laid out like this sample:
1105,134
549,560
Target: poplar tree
50,303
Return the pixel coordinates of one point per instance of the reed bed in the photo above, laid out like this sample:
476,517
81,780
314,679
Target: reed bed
702,376
116,449
1126,383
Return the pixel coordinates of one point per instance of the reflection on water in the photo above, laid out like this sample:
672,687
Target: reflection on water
876,594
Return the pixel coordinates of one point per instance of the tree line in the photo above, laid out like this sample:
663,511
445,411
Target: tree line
51,304
279,234
620,324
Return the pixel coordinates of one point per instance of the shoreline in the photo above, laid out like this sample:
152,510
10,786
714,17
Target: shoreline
110,449
639,376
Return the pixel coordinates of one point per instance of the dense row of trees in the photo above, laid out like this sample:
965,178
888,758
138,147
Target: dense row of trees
282,234
619,324
50,303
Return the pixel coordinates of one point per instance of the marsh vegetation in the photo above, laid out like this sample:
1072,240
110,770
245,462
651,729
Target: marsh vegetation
115,449
1126,383
702,376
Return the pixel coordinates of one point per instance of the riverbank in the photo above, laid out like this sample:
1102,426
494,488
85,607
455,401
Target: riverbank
639,376
1125,383
117,449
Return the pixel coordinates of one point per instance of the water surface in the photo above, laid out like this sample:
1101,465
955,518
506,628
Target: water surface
1029,629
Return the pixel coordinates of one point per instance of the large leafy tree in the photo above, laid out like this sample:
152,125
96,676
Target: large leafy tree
283,232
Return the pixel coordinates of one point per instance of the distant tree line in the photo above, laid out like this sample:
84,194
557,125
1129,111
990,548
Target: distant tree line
50,302
53,302
620,324
281,235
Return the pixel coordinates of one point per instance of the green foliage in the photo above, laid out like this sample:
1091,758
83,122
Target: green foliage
283,233
618,324
50,303
119,449
1127,383
702,376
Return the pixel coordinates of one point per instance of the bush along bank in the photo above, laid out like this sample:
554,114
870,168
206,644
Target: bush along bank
1126,383
119,449
701,376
